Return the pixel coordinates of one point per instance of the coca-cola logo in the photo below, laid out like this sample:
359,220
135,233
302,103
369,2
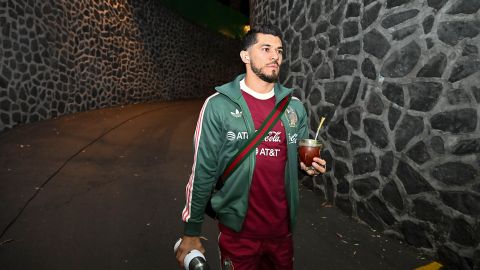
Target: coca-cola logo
273,136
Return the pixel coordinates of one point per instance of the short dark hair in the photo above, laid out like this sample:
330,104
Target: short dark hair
251,37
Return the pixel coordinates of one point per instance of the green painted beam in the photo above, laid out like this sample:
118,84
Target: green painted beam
210,14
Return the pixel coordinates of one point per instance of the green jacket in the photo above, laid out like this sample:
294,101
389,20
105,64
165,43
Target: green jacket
223,127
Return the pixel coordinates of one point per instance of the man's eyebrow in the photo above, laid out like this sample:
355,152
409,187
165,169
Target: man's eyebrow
269,45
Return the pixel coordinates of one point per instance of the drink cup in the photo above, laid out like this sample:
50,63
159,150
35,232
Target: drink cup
307,150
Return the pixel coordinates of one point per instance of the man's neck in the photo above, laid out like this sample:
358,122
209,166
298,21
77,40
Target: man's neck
257,84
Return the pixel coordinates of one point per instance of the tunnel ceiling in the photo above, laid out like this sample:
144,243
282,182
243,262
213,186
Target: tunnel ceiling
224,16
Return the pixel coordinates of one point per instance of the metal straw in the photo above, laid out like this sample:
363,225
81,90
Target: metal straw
319,127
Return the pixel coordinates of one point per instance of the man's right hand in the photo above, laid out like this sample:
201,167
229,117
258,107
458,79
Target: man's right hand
188,244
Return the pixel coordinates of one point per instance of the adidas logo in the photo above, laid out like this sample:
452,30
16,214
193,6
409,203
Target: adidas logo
236,114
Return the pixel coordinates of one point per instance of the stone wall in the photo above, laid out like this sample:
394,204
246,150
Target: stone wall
399,84
59,57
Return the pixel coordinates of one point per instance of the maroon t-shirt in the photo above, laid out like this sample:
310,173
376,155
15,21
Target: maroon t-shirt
267,214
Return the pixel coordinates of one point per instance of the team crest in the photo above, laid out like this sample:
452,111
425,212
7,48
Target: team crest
291,117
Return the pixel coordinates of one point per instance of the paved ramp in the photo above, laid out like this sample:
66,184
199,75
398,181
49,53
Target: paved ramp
104,190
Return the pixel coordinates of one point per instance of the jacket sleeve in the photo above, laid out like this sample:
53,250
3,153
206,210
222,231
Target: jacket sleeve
207,143
303,130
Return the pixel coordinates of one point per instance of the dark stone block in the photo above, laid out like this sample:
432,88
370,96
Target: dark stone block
429,42
296,66
344,67
375,104
296,11
435,66
364,163
329,188
419,153
344,204
469,49
428,24
381,210
391,194
452,32
394,93
352,93
396,3
323,72
340,150
357,142
458,96
464,68
350,29
322,27
315,11
326,111
5,105
7,73
368,217
399,17
365,186
424,95
341,169
452,260
353,118
334,36
413,181
337,16
316,59
315,96
322,43
463,233
465,202
334,91
437,145
465,7
353,10
404,32
427,211
375,44
386,164
328,158
467,147
295,49
343,187
376,132
338,130
3,82
370,15
307,32
352,47
476,93
367,2
307,49
436,4
455,173
368,69
457,121
408,128
416,234
401,62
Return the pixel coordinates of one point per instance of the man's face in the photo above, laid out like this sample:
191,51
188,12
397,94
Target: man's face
266,57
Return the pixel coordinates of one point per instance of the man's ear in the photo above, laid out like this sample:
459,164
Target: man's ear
245,57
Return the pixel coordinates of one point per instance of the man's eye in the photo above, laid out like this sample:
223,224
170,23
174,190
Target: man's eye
266,49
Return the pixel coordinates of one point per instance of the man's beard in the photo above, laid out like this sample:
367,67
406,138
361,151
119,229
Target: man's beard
265,77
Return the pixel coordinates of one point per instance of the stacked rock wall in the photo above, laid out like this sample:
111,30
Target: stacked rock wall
60,57
399,84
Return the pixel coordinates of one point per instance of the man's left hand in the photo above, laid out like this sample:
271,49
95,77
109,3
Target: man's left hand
318,167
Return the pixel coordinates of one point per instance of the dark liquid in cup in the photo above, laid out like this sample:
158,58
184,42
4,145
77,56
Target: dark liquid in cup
307,153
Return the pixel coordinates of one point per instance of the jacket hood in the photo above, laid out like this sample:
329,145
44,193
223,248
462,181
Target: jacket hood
232,89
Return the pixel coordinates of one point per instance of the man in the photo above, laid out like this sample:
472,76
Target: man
257,205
